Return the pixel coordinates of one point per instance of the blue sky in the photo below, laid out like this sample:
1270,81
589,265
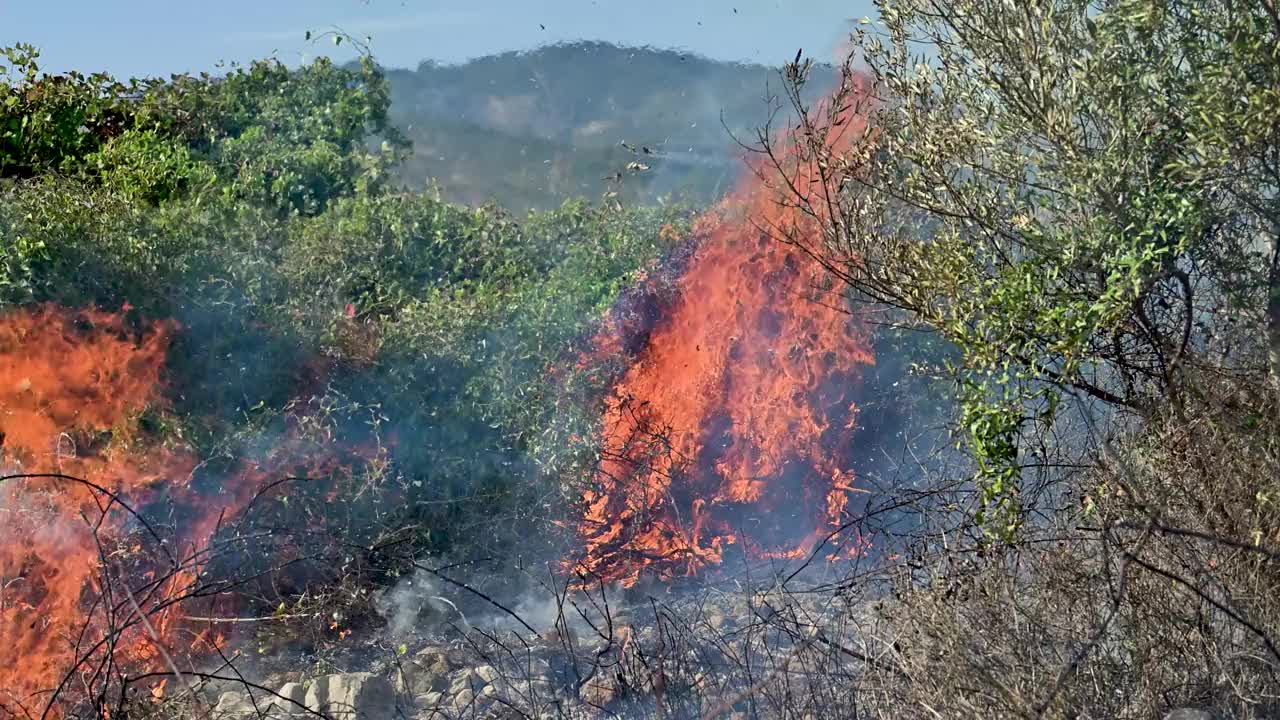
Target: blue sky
150,37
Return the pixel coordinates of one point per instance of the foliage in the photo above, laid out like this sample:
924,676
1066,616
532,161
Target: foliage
151,168
1077,196
49,123
273,137
1080,199
314,302
293,139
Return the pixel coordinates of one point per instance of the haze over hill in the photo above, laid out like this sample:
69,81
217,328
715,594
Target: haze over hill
529,129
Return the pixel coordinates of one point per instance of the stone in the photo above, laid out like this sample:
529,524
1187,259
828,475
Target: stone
292,698
317,694
352,696
487,673
464,680
463,699
422,674
537,685
430,700
436,660
1189,714
598,692
215,689
233,705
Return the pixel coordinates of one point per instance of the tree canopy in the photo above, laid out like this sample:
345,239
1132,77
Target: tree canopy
1079,199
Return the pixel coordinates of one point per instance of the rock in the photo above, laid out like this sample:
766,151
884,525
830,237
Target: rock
427,671
233,705
463,699
465,679
1189,714
213,690
437,660
352,696
317,694
487,673
536,685
598,692
292,698
430,700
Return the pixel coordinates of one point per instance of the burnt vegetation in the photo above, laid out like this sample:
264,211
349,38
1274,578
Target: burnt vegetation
362,474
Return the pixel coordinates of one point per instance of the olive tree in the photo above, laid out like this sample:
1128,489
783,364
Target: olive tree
1079,196
1079,200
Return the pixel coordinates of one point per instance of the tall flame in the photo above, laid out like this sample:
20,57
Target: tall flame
66,381
733,423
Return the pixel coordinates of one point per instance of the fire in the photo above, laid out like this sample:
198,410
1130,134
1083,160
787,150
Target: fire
71,387
90,590
732,424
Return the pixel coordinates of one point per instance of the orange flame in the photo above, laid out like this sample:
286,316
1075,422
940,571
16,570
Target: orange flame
732,425
74,386
68,384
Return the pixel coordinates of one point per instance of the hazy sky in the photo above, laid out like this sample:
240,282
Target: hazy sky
149,37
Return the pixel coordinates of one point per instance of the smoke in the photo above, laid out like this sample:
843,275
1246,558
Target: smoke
414,603
230,358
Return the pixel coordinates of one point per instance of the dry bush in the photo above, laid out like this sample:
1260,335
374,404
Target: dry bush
1156,589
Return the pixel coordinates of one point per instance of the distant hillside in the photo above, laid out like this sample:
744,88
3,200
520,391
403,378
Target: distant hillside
529,129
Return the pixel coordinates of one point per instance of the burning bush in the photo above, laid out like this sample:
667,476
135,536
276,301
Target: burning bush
733,420
73,387
340,382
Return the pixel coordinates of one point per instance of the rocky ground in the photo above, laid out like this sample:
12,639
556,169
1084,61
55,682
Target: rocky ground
599,663
538,680
704,655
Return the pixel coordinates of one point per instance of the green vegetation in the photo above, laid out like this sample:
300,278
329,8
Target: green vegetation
1071,208
1081,199
257,209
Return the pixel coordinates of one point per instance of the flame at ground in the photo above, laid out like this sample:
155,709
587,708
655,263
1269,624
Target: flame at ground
70,391
74,386
79,571
733,423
